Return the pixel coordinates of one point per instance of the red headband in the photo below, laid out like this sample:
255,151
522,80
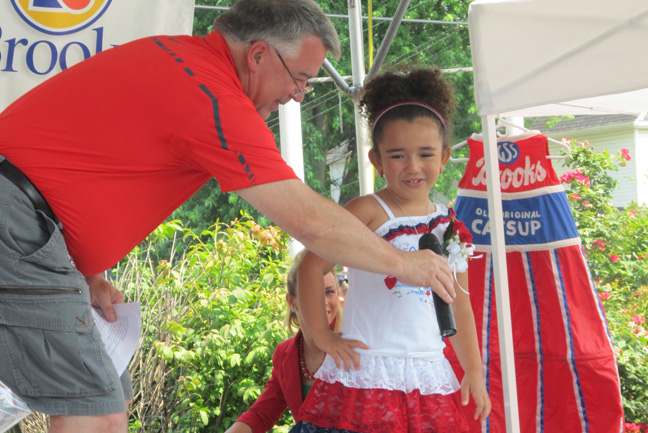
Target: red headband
400,104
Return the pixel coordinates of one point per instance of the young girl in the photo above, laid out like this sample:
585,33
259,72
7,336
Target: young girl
294,361
402,383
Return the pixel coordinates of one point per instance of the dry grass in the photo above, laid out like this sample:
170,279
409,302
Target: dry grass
35,423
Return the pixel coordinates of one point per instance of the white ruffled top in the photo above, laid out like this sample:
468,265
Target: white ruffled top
396,321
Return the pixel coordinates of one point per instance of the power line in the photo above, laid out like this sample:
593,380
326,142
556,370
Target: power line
333,94
428,45
364,17
405,20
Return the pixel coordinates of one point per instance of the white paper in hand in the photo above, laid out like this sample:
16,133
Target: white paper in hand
121,338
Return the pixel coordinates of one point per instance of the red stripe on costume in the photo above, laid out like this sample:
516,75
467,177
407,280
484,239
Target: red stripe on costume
420,228
593,351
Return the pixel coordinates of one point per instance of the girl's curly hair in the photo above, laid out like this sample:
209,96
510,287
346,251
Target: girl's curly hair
421,85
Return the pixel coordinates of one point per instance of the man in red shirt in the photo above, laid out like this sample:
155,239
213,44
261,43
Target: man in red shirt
92,160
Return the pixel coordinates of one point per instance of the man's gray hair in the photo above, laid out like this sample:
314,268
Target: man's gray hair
281,23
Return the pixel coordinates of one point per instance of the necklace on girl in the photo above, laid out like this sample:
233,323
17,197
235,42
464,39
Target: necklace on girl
393,196
302,362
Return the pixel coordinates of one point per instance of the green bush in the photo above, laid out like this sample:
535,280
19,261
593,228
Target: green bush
616,245
212,317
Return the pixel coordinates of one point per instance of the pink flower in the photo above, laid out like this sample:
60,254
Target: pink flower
575,197
604,295
567,177
586,203
626,154
639,319
614,258
582,179
632,213
640,257
599,243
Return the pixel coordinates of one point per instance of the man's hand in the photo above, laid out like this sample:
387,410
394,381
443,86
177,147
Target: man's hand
103,295
426,269
342,235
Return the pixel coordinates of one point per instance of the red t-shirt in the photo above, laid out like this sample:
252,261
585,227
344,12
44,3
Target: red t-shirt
119,141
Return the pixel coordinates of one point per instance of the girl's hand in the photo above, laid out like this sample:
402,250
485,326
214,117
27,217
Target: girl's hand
341,350
474,384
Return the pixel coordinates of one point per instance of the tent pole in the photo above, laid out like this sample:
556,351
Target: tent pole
389,37
336,77
290,136
365,169
496,221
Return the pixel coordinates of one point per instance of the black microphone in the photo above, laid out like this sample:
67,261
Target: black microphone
444,314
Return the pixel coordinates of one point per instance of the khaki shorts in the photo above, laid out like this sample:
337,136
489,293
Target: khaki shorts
51,354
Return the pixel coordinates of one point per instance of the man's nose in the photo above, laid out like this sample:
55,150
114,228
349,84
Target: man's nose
297,96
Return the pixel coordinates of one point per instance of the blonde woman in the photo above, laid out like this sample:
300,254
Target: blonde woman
295,360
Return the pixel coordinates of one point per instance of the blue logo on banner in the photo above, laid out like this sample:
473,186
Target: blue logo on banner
507,152
46,4
534,220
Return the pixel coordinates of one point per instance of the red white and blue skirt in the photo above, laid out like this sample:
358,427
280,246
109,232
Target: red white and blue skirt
390,395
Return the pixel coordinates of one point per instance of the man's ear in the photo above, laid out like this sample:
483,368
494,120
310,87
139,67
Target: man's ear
255,54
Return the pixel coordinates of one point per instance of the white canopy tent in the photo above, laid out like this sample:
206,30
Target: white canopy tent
569,57
574,53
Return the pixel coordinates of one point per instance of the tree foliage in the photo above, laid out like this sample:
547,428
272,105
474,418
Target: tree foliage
213,314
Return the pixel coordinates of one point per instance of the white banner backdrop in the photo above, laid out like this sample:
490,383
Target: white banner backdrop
39,38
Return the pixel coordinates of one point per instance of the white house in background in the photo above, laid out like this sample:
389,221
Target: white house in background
612,132
336,160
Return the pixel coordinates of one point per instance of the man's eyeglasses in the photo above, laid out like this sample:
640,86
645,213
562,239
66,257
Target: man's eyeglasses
302,91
